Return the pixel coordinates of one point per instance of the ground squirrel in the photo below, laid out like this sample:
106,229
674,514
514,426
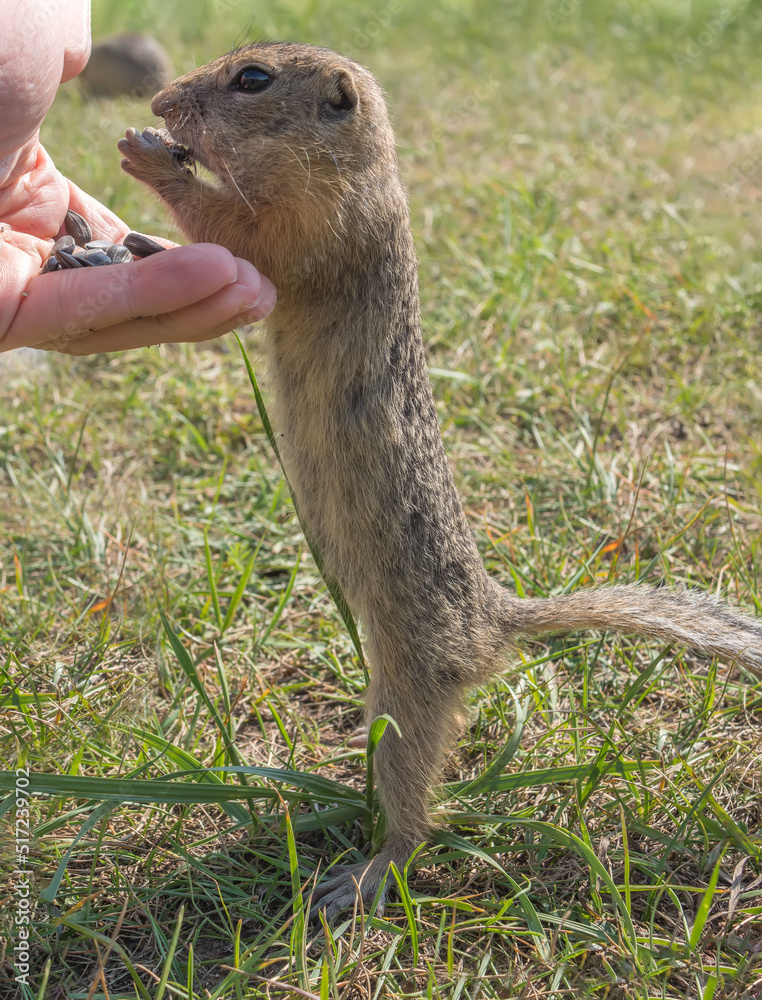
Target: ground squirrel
308,189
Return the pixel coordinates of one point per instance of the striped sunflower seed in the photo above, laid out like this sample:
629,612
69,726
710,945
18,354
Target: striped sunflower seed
98,258
69,261
78,227
65,243
118,254
142,246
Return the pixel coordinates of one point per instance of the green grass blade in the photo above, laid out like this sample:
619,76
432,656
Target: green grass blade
238,593
637,685
49,893
407,904
42,992
212,580
282,602
160,989
325,981
190,671
710,989
544,776
195,433
334,588
107,943
229,751
375,732
626,854
181,758
281,726
322,790
704,906
298,937
457,843
190,977
569,840
484,782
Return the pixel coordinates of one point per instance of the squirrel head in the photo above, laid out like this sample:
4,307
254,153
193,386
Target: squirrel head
299,139
281,121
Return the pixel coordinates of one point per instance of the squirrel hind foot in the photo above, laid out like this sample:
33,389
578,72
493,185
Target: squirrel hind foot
348,886
364,885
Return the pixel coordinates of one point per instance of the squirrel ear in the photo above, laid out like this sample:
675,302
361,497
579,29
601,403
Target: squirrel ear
344,96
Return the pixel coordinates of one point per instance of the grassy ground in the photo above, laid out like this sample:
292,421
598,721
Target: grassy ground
585,181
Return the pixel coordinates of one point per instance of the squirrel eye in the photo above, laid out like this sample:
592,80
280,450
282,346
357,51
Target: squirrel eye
252,79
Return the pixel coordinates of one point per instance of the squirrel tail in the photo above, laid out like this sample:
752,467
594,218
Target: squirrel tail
680,617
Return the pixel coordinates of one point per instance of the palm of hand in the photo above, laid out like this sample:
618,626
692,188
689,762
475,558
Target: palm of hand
32,209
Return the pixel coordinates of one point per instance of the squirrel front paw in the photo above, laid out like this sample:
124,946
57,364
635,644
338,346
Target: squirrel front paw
151,156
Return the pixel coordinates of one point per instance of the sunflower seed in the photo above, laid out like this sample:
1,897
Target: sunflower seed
78,227
65,243
51,264
118,254
68,261
95,257
141,246
97,245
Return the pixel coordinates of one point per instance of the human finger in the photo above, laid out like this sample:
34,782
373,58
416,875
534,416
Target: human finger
201,321
65,305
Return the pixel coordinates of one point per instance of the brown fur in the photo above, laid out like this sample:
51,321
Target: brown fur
308,189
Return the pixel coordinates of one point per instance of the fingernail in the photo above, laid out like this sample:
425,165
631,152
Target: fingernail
264,304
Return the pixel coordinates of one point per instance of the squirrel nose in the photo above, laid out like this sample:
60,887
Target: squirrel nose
162,103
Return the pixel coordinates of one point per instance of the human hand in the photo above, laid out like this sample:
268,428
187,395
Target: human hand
192,293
